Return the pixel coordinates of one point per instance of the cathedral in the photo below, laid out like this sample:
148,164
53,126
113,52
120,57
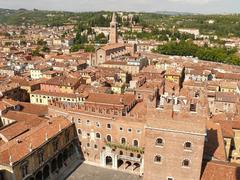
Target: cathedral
114,49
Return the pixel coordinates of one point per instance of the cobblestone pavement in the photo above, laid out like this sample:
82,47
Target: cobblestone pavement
89,172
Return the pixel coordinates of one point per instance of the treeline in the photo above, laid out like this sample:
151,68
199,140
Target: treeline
160,35
215,54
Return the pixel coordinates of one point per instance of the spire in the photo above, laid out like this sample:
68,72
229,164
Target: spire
114,17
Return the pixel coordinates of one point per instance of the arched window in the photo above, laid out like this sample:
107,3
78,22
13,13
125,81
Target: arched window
131,154
98,136
135,143
139,156
79,131
109,138
159,142
123,140
157,159
95,146
186,163
120,153
187,145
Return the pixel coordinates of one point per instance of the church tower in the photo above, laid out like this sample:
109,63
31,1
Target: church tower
113,37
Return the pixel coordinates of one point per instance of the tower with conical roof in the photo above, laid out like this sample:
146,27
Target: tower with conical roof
113,37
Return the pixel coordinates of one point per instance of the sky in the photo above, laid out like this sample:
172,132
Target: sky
195,6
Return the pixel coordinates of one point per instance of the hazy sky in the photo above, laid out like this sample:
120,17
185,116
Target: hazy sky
200,6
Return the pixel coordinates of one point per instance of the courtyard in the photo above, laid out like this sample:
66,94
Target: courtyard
89,172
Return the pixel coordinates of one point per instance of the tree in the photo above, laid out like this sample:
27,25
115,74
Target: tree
184,48
36,52
45,48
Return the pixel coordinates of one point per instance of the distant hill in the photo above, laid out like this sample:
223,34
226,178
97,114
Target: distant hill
174,13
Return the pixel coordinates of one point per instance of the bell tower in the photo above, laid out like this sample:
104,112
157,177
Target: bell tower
113,37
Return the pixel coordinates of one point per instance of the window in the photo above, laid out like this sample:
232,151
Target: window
97,124
157,159
109,126
79,121
88,145
40,157
186,163
24,169
121,128
159,142
88,122
120,153
123,140
193,107
170,178
55,145
109,138
131,154
67,135
139,131
88,134
98,136
129,130
135,143
139,156
188,145
95,146
79,131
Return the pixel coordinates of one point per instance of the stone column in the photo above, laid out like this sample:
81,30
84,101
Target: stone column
115,159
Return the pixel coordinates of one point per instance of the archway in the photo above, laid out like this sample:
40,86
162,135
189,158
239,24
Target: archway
46,172
39,176
65,154
128,164
53,165
136,167
109,161
119,163
60,161
71,150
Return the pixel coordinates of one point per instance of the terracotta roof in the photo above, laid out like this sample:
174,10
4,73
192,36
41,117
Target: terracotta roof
39,110
115,99
226,97
215,170
62,81
34,138
55,94
22,123
112,46
116,62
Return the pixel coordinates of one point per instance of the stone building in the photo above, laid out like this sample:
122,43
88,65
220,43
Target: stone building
141,140
36,148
